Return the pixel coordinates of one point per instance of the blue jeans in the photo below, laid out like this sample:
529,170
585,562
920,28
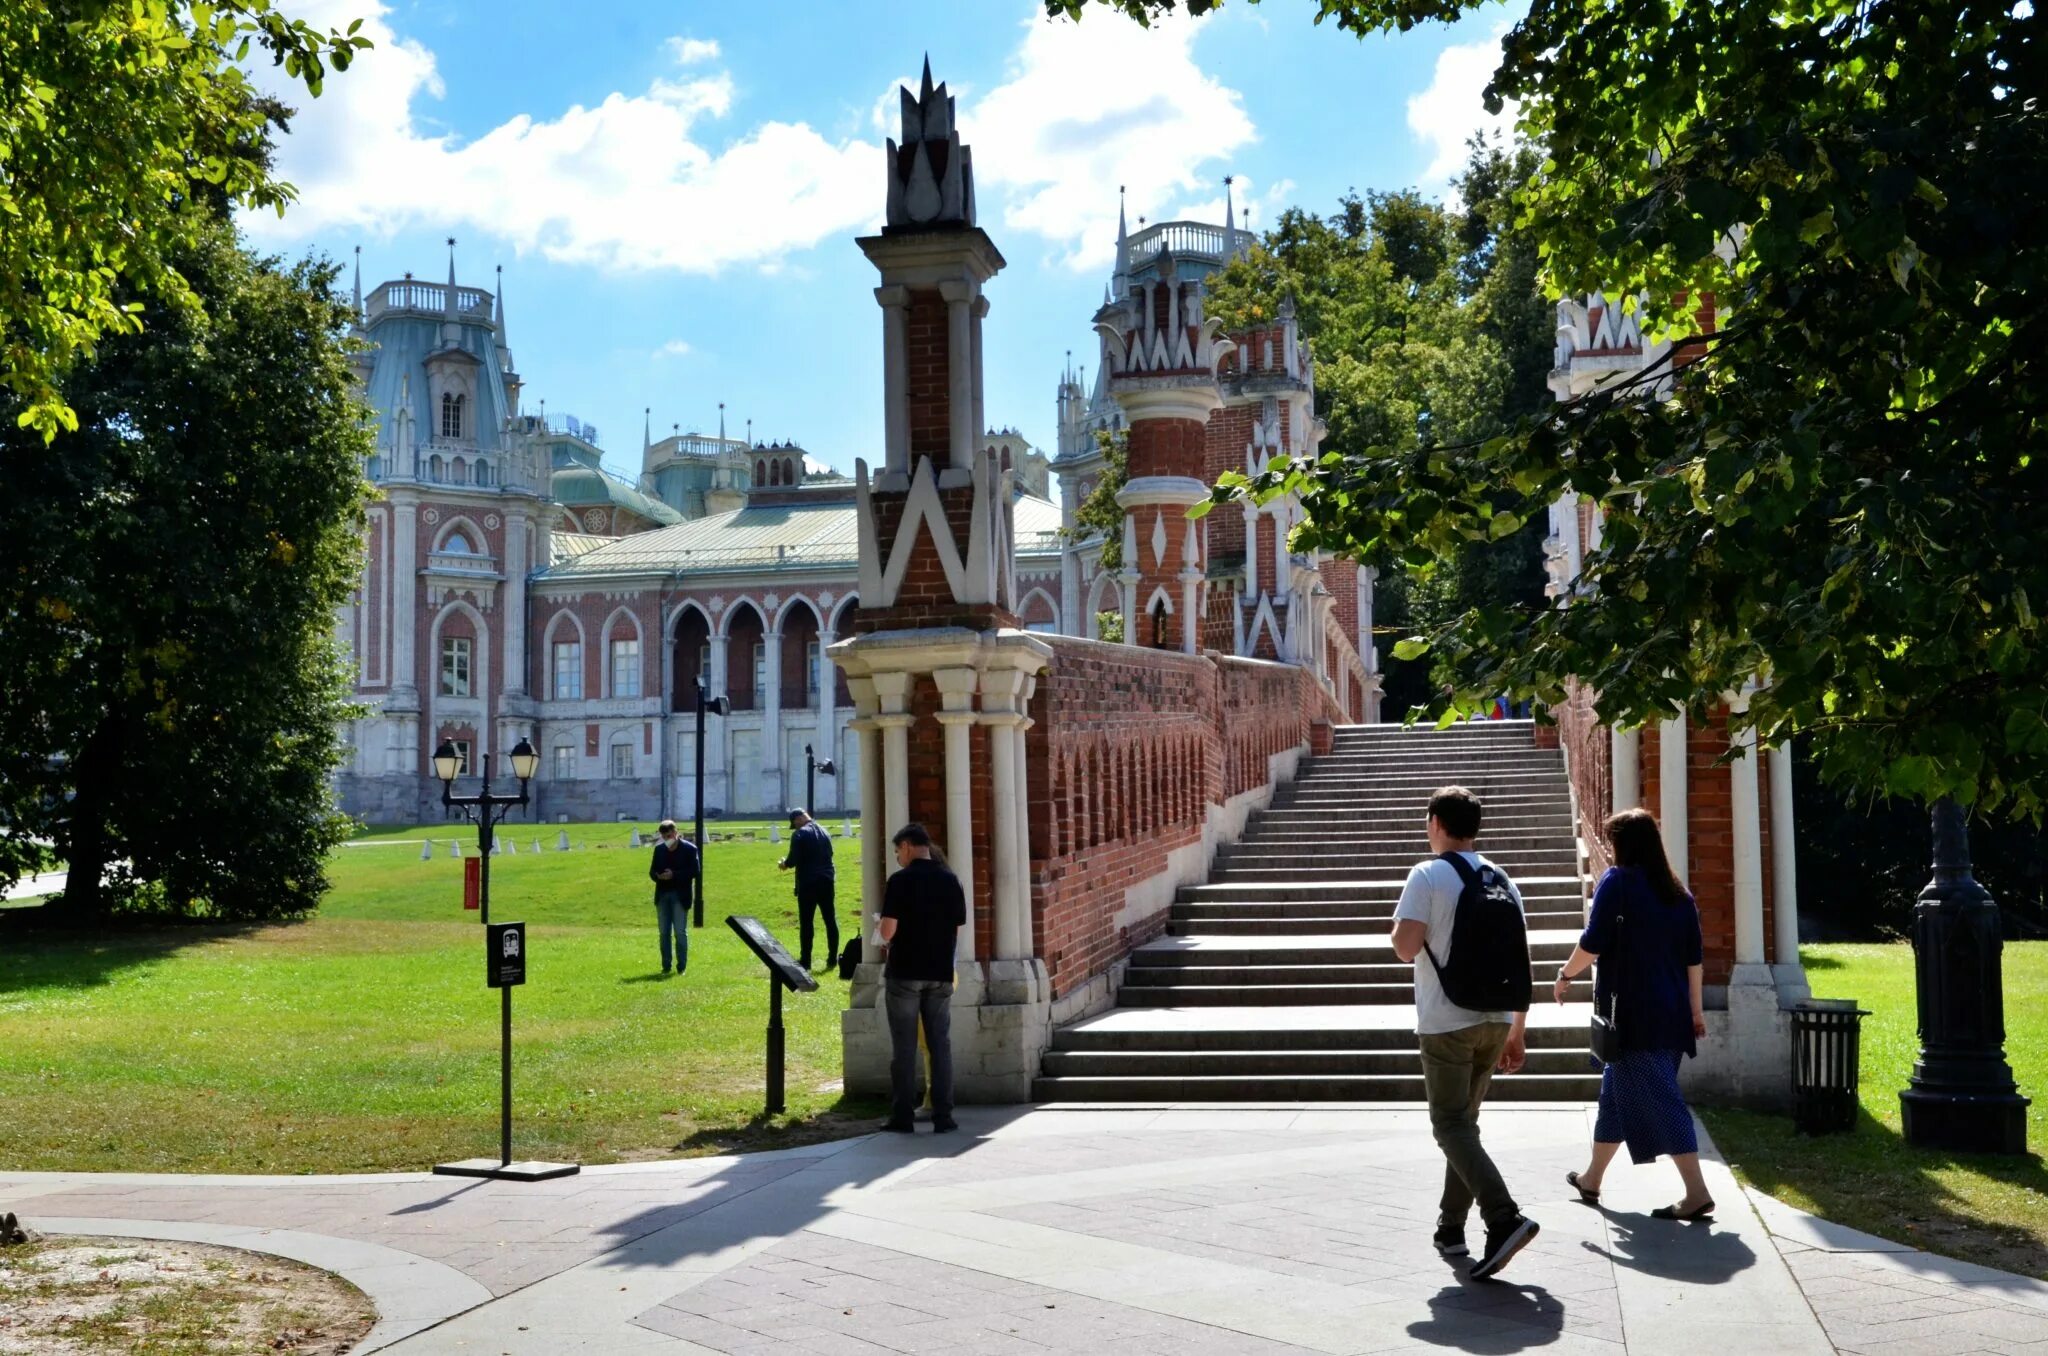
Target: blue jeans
908,1002
672,916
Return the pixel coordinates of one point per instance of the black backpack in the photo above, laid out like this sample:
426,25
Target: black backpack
1489,969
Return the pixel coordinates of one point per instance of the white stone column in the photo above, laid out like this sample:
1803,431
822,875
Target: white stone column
1568,530
895,376
1072,604
1191,575
1671,795
956,695
1626,746
405,577
1283,577
1251,554
828,719
960,369
771,717
1746,833
1788,970
1000,691
515,605
1020,813
892,694
717,779
874,846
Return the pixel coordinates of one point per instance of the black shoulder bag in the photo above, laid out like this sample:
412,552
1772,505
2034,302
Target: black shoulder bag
1605,1036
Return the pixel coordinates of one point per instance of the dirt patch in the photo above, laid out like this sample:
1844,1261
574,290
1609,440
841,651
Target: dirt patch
75,1296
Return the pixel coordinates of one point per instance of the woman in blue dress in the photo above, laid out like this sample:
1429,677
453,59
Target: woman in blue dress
1645,933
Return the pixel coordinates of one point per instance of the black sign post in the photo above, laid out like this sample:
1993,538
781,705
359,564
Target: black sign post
783,972
505,970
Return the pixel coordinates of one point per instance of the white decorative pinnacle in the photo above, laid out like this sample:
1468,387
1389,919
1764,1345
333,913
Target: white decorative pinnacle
1159,539
931,175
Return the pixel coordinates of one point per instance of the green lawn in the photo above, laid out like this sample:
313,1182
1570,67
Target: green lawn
364,1038
1982,1209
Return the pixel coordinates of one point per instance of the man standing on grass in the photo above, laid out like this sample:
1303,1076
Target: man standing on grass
810,856
923,910
1460,920
674,873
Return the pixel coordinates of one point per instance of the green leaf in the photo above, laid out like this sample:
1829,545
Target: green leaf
1413,647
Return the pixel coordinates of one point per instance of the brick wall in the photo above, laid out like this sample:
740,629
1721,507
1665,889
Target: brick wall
1128,750
928,380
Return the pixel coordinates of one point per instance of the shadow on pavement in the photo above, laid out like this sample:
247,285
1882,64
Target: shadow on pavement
1491,1318
1696,1253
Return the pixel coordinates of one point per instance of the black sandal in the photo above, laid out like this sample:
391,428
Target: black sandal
1698,1212
1585,1197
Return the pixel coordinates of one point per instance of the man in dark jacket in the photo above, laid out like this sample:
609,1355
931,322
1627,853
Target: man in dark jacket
923,910
674,873
810,856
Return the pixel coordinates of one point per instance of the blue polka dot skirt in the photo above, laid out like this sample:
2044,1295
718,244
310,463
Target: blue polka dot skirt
1640,1106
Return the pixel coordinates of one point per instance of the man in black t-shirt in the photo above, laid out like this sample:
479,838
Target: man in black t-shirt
923,910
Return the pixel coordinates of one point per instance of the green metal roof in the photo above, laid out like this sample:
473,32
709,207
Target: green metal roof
766,539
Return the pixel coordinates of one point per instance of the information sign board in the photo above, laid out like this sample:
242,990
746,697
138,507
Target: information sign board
504,954
762,943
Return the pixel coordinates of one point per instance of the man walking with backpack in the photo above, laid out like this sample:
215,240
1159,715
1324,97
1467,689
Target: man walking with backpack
1460,921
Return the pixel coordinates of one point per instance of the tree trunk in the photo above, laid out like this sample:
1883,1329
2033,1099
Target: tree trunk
85,840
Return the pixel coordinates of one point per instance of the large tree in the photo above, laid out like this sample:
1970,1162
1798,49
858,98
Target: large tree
119,121
1843,498
171,686
1426,325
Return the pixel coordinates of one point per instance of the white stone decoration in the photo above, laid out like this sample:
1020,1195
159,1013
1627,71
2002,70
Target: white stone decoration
492,522
717,603
430,516
1159,539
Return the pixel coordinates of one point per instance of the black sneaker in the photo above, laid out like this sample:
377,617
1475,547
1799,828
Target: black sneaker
940,1127
900,1127
1450,1240
1502,1245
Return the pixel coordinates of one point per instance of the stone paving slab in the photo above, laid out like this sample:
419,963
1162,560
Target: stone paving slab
1229,1230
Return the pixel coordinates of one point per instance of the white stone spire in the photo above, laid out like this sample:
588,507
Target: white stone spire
1122,278
451,328
359,287
498,307
646,430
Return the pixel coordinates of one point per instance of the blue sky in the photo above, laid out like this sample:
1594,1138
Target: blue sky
673,189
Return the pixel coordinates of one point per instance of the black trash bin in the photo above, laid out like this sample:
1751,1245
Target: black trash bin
1826,1047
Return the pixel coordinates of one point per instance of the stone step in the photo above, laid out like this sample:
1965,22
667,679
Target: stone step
1394,849
1355,1029
1320,867
1273,974
1368,807
1386,888
1299,838
1330,948
1223,921
1285,1061
1523,1087
1377,795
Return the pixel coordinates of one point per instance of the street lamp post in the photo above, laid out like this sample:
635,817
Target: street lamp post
486,808
719,706
1961,1096
812,767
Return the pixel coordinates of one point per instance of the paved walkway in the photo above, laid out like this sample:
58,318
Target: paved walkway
1178,1233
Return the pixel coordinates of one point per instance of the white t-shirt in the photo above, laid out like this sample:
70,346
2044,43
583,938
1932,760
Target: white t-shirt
1431,898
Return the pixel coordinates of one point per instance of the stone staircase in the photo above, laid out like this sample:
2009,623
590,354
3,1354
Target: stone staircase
1277,981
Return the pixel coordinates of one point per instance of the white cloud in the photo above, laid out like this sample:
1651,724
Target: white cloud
690,51
628,184
636,183
1089,106
674,348
1445,115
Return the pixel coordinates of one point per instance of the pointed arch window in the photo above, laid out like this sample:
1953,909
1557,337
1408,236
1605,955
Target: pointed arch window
1159,636
451,415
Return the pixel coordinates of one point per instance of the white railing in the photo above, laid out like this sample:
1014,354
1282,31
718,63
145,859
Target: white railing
461,562
425,296
1182,237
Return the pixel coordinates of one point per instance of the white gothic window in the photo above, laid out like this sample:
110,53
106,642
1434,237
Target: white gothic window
568,670
622,761
813,674
626,666
455,660
457,545
451,416
565,763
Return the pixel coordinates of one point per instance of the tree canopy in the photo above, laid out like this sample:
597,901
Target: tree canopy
122,124
173,690
1841,501
1426,326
